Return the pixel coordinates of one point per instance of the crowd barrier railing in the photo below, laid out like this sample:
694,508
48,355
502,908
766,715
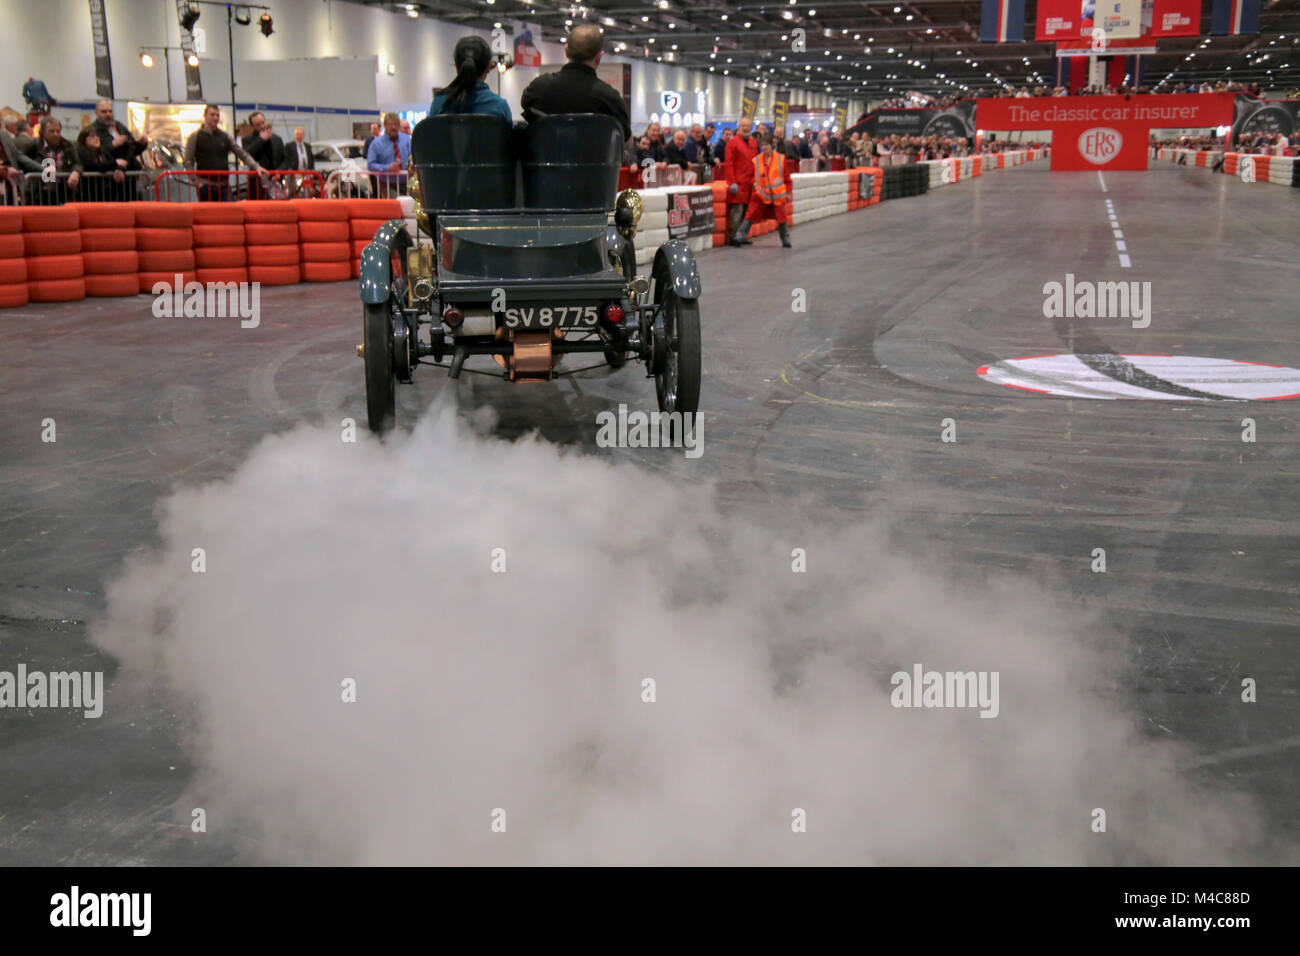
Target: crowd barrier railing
55,188
233,185
59,253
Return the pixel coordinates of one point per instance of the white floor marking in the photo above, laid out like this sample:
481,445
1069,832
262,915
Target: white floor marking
1120,246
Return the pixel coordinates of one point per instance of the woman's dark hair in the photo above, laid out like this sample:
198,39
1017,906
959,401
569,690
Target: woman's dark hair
473,57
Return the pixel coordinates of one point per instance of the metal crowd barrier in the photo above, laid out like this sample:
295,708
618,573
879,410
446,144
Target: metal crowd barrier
52,189
232,185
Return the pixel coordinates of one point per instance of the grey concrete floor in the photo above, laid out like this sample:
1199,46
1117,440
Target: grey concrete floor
842,406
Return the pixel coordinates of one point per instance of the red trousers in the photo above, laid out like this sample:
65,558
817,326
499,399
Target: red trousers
759,210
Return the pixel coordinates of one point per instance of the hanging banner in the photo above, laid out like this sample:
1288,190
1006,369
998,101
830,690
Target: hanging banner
193,83
1062,19
103,61
1176,18
841,119
1253,118
781,108
1234,17
749,103
526,52
1122,19
955,122
1002,21
1105,132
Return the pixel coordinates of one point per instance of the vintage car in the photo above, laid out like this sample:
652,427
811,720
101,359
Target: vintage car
525,255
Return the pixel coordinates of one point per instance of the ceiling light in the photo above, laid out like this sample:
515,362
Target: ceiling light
189,18
264,21
147,61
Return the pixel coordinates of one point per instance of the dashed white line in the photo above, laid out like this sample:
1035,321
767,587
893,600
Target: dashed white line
1120,245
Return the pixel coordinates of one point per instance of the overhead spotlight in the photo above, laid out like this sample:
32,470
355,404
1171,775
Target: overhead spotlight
264,21
189,18
392,69
192,60
244,16
146,60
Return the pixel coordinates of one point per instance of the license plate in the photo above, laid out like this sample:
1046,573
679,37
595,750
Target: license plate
552,317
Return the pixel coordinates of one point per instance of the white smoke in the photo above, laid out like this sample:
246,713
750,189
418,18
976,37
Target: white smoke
522,690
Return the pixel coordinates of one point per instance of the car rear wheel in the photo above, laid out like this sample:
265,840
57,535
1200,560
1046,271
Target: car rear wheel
381,382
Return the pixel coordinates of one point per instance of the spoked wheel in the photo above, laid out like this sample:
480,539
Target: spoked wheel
676,349
381,382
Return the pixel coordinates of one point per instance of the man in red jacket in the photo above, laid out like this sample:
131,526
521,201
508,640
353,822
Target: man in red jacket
770,195
739,168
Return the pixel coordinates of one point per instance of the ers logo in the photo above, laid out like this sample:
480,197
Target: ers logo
1100,144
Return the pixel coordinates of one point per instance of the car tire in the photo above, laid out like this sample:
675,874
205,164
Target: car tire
381,382
678,387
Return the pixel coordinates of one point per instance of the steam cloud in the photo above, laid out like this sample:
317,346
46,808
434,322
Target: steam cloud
522,690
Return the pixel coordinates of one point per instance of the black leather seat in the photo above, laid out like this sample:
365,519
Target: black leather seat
465,161
570,161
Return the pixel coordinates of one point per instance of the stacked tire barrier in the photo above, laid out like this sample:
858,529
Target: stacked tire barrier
164,239
818,195
899,182
271,234
365,216
52,249
325,237
861,197
13,263
110,263
220,250
719,187
1248,167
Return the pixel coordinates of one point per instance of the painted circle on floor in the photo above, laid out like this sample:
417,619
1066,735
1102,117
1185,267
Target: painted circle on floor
1152,377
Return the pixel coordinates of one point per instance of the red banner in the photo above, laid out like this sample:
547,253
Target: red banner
1104,132
1176,18
1063,19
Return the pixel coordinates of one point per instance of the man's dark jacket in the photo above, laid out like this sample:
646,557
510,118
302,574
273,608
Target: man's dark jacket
269,153
575,88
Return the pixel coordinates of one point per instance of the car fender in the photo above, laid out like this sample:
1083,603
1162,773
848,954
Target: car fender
676,258
376,260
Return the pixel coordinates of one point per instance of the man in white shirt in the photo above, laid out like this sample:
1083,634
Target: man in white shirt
1280,145
297,154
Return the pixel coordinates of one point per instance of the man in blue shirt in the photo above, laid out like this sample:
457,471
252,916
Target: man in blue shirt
388,155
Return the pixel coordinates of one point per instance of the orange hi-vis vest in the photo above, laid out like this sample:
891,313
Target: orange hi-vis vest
769,178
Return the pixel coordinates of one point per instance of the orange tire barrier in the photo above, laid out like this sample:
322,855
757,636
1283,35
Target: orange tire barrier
112,262
220,257
275,275
270,233
112,286
280,254
107,240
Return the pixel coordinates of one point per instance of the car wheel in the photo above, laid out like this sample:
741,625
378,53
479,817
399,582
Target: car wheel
381,382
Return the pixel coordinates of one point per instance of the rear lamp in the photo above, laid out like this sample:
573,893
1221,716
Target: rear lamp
614,314
453,316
